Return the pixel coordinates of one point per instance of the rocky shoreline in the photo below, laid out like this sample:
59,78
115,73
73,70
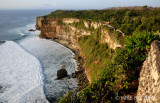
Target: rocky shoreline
80,74
65,35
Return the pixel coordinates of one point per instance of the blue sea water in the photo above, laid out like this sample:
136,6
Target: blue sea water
12,21
28,64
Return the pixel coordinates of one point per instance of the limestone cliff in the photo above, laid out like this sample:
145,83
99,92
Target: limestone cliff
149,81
63,29
39,22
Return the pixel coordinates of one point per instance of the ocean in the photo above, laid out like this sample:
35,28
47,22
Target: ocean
28,64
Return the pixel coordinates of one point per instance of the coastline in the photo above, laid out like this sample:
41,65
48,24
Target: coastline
80,74
39,49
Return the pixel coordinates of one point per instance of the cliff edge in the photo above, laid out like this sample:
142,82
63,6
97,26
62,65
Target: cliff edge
66,29
149,81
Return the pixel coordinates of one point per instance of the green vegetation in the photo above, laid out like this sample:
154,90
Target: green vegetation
60,22
135,52
115,35
126,19
79,25
112,71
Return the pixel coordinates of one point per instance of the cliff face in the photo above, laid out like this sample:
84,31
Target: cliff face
39,22
107,39
63,29
149,82
65,32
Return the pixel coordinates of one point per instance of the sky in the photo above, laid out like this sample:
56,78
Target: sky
73,4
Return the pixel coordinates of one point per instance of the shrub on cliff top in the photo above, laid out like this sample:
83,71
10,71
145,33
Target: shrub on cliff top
60,22
138,45
136,49
126,19
79,25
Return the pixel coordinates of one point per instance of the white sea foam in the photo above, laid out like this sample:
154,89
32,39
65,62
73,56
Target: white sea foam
52,56
22,34
27,25
20,76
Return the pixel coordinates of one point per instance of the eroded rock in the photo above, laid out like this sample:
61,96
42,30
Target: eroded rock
31,30
61,73
149,81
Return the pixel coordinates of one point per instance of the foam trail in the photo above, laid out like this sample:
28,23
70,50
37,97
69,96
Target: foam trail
21,79
53,56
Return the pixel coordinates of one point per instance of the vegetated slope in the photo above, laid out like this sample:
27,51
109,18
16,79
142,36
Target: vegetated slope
126,19
114,72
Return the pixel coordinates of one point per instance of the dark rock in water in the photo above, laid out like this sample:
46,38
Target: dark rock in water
0,87
73,75
1,42
62,72
31,30
51,99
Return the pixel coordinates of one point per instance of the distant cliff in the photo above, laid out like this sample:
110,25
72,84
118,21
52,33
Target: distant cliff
63,29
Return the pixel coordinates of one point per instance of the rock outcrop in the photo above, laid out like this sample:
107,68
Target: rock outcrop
61,73
39,22
63,30
107,39
31,30
149,81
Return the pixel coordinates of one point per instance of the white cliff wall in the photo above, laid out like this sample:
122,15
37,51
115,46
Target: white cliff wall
149,81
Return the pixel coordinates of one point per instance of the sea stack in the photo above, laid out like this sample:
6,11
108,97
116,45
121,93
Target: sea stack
61,73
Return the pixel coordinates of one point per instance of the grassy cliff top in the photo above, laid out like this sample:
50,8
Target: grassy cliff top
105,14
127,19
